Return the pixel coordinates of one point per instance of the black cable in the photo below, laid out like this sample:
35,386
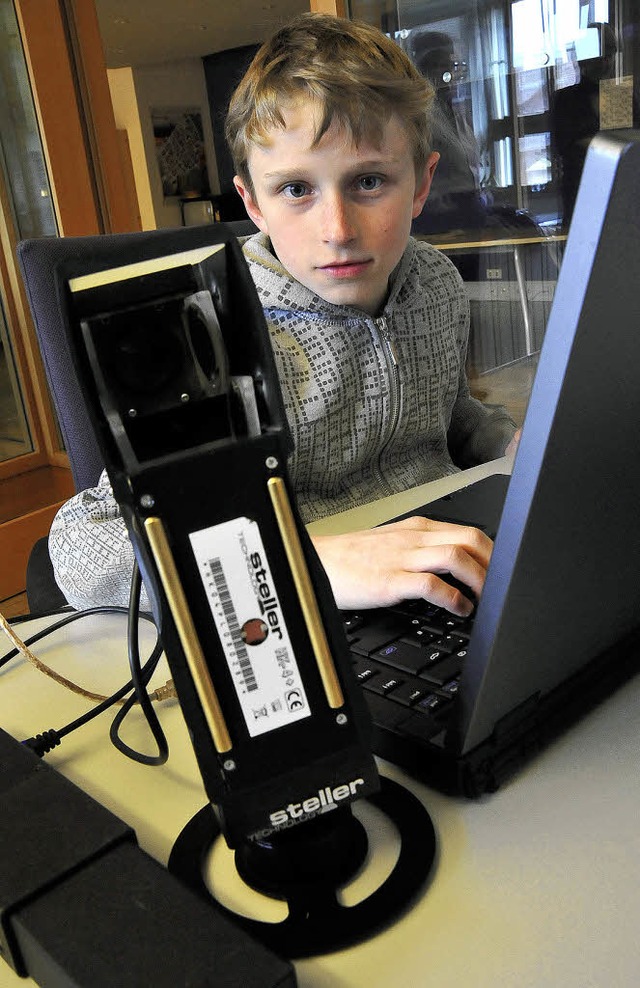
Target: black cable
47,740
34,615
139,677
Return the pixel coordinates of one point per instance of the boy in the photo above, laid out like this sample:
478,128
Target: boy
330,138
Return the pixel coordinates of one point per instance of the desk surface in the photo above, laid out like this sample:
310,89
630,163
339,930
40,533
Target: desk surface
536,885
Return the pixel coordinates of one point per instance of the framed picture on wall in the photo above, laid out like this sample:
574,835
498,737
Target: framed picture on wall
180,151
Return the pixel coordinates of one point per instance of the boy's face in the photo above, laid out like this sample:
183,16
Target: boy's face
338,215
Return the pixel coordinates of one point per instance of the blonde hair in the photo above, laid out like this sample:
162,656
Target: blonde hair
357,75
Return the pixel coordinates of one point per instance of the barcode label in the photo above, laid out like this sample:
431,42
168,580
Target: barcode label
246,610
229,611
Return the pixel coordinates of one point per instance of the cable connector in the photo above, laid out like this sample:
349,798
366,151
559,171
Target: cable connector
42,743
166,692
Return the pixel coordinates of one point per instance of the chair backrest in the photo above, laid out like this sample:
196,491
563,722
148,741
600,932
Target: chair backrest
39,260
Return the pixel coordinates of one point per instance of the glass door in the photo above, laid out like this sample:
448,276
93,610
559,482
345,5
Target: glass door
26,210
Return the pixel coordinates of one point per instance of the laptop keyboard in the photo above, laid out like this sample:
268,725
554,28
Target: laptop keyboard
408,659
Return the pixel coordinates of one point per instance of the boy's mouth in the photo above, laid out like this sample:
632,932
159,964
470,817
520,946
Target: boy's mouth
345,269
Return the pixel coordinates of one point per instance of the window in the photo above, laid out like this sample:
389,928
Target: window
521,88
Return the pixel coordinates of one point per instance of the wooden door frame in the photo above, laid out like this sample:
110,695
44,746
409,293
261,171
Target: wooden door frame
68,77
337,7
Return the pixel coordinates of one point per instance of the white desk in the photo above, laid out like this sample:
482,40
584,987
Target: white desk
536,885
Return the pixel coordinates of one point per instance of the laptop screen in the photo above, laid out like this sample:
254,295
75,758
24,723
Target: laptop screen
563,585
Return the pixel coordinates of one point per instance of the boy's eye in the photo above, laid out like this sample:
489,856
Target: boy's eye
295,190
369,183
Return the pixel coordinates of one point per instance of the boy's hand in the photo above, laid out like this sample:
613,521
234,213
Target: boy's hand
382,566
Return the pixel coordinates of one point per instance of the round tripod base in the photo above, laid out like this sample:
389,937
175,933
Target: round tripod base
307,865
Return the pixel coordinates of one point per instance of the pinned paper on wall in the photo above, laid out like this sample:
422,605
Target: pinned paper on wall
616,103
180,150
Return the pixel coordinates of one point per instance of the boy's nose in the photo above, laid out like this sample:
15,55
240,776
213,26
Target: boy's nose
337,221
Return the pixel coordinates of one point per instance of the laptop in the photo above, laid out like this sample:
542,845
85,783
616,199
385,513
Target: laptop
463,704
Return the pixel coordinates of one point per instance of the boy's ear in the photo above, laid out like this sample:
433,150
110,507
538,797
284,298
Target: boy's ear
251,206
424,184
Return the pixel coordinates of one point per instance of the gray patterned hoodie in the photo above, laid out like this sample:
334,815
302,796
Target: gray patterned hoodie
375,405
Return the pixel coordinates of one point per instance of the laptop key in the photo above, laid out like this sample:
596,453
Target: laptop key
431,703
450,643
382,684
409,693
364,671
400,655
426,610
433,655
369,640
451,688
443,671
419,637
458,625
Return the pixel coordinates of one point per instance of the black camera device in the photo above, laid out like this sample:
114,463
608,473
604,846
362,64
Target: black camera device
175,362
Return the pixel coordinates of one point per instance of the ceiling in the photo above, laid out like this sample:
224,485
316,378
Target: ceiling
151,31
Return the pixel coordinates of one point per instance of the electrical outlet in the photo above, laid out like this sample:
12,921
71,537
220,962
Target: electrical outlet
494,274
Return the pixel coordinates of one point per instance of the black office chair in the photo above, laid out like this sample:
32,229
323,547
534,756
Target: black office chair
39,261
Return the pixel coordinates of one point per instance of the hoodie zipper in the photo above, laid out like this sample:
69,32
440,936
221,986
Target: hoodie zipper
390,351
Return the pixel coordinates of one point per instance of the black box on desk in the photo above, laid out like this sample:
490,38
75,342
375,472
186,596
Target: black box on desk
82,905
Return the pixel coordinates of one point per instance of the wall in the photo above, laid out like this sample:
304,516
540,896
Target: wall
135,93
127,117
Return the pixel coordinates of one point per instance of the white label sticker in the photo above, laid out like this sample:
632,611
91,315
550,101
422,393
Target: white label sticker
245,607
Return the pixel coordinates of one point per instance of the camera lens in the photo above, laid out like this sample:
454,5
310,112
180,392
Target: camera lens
147,355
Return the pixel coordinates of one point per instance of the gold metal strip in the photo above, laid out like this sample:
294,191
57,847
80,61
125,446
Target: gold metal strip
306,594
187,633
